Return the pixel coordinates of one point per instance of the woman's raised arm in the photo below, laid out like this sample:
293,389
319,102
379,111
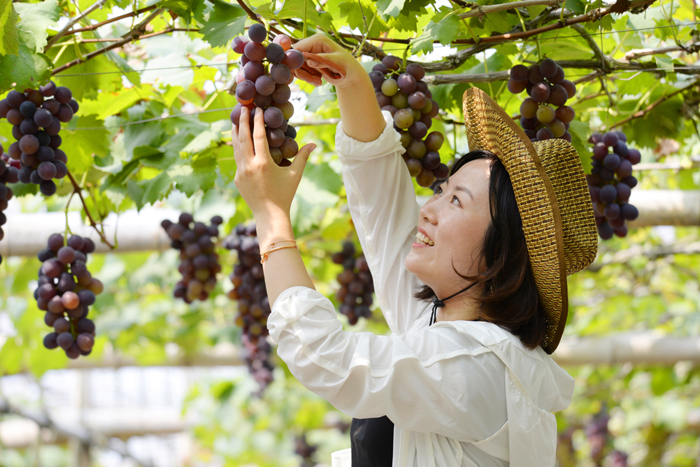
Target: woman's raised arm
381,197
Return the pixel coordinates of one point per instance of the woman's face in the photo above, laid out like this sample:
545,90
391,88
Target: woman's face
455,218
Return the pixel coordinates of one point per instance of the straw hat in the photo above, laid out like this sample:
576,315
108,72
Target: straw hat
553,200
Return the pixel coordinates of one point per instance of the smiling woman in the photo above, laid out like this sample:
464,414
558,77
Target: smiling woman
477,387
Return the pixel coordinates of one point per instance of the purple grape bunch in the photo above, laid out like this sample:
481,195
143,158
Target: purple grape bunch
199,262
547,89
250,292
356,286
403,93
263,83
611,181
65,291
36,116
8,174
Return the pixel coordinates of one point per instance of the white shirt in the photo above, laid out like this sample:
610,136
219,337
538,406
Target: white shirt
460,393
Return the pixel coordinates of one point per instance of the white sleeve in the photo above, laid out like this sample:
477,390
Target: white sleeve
383,206
436,380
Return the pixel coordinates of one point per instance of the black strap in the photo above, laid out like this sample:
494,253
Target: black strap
437,303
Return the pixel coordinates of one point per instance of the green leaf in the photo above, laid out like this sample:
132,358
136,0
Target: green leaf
35,18
390,7
113,103
445,30
295,9
26,69
575,6
155,188
201,174
579,139
183,8
225,22
80,145
9,44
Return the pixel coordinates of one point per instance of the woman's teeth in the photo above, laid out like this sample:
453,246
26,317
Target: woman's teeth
425,240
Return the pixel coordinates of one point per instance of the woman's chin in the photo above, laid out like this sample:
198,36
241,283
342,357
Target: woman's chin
413,265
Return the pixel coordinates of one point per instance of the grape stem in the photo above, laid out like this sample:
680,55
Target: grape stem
651,106
72,22
77,190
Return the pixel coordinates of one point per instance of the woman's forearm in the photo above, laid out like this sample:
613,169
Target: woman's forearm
362,118
283,268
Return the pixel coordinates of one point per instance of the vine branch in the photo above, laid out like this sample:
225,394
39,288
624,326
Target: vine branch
635,54
481,10
108,21
71,23
93,224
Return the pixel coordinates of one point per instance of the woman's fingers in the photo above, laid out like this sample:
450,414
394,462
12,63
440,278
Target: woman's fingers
318,43
262,149
245,143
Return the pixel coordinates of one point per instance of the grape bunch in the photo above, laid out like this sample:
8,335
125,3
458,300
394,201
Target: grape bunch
199,262
253,305
8,174
65,291
598,435
547,89
610,183
263,82
403,93
356,286
36,124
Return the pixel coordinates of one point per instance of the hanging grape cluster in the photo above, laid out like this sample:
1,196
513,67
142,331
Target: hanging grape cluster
199,262
263,82
547,88
598,435
65,291
8,174
36,125
403,93
253,305
356,286
610,183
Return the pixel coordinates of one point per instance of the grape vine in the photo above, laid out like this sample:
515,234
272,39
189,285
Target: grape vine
199,262
611,181
356,286
65,291
263,82
36,116
253,305
403,93
546,87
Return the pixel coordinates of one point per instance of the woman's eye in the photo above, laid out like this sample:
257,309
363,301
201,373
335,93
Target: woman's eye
455,198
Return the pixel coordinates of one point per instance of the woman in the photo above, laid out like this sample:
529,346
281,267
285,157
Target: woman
465,380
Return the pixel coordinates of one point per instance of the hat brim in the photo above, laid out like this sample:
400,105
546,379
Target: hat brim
490,128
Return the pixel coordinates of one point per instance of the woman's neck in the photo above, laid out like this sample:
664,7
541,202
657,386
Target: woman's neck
459,308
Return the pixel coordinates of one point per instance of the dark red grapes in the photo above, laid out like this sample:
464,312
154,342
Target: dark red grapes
544,114
356,286
610,183
403,94
199,262
263,83
253,305
65,291
37,116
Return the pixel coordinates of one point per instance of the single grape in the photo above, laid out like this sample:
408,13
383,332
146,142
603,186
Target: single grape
382,99
516,87
519,73
245,90
621,149
287,109
27,109
293,59
414,166
634,156
558,95
65,113
608,193
399,100
548,68
280,73
29,144
281,94
600,150
275,53
254,51
557,128
528,123
425,178
611,161
569,87
629,212
390,87
434,141
252,71
50,341
623,191
262,101
238,44
275,137
544,134
558,77
610,139
612,211
565,113
431,160
418,130
416,70
534,75
540,92
377,79
528,108
65,340
273,117
289,148
605,231
48,89
63,95
545,114
407,83
391,62
46,170
416,149
624,170
403,118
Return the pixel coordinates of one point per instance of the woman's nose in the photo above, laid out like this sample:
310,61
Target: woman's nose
427,212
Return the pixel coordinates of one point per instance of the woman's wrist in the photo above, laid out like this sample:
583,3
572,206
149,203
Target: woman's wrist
273,227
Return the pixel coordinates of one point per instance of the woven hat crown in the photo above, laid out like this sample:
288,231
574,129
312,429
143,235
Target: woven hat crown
553,200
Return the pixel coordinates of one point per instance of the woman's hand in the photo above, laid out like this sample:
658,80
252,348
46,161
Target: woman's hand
267,188
324,46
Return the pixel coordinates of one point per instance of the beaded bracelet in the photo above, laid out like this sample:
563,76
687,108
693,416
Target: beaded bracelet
272,247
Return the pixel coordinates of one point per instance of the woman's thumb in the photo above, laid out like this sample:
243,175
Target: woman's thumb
302,156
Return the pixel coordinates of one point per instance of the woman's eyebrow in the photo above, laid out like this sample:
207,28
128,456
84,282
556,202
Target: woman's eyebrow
461,188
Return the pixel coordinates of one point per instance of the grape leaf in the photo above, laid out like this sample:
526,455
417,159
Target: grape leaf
295,9
575,6
80,145
26,69
225,22
35,18
353,12
390,7
200,174
9,44
445,30
184,8
155,188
